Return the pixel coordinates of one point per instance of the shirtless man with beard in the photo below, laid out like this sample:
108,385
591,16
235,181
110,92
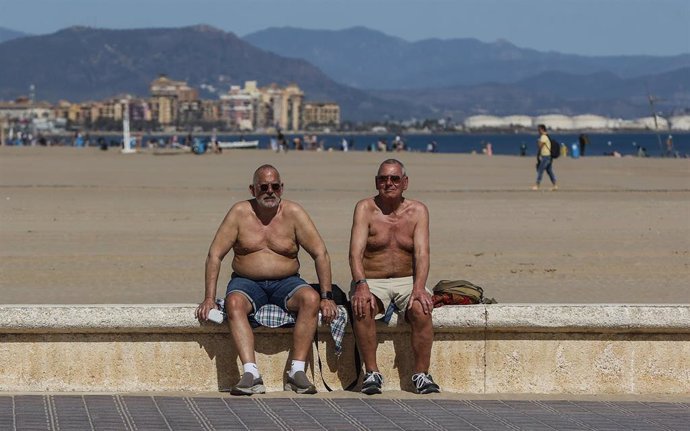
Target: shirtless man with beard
265,234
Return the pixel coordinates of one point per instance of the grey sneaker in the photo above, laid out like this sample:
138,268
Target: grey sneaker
248,385
373,380
424,384
300,383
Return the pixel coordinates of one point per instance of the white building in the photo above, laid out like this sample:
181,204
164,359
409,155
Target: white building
589,121
680,122
555,122
482,122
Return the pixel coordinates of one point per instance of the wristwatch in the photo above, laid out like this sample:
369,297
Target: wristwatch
327,295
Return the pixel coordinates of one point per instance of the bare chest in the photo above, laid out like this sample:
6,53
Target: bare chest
390,232
277,236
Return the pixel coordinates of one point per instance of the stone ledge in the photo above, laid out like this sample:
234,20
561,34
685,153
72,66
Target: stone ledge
479,349
589,318
179,318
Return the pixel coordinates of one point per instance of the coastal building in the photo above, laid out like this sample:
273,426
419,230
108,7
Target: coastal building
554,121
680,122
281,107
650,123
239,106
321,114
518,121
589,122
166,97
22,109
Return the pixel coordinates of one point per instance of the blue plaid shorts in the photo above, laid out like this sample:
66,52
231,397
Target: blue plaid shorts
262,292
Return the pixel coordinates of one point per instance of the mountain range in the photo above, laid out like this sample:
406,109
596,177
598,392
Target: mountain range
7,34
368,59
372,76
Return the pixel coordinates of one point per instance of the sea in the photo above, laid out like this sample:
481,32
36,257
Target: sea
600,144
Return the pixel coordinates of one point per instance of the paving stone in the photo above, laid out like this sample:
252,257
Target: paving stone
126,412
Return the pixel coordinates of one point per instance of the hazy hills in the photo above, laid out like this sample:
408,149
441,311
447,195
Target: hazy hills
556,92
371,75
8,34
368,59
81,63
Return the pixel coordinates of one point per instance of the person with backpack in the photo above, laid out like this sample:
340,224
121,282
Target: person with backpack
548,149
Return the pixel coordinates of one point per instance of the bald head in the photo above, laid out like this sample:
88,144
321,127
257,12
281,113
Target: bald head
265,169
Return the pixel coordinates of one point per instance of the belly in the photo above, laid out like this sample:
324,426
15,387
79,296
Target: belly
388,264
265,264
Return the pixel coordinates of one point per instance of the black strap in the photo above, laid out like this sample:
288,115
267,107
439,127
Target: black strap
358,361
318,358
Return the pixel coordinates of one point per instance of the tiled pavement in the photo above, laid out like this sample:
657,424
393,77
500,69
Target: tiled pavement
162,412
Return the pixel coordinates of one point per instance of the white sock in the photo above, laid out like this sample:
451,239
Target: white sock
250,367
295,367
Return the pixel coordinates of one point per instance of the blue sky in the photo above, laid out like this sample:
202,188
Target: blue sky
589,27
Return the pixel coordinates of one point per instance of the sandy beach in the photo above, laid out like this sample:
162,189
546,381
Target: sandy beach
90,226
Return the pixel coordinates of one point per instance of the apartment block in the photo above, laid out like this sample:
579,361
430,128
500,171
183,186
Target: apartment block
320,114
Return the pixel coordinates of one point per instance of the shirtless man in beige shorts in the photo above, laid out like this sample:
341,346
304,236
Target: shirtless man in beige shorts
389,261
265,234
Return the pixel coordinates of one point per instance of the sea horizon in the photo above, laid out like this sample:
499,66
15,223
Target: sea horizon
502,143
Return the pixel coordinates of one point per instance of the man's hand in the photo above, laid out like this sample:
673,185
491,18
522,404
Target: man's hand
424,299
362,300
328,311
202,310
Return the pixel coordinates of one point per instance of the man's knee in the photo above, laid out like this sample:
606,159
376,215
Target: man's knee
305,298
415,315
237,304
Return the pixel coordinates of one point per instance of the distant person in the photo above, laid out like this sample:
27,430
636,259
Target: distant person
669,147
398,144
282,142
583,141
381,145
431,147
523,149
344,145
642,152
488,149
544,161
266,234
389,262
216,146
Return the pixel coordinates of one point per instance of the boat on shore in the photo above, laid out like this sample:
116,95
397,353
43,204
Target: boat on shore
235,145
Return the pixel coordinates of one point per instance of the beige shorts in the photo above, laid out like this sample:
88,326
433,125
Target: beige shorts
395,290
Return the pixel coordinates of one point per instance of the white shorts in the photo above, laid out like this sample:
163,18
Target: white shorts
387,290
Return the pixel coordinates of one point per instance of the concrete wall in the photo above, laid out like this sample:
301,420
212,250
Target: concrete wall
501,348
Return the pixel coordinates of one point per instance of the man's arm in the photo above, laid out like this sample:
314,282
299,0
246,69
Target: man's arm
220,246
309,238
421,259
362,298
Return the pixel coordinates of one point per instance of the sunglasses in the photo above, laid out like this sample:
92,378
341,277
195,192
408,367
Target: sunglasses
395,179
274,186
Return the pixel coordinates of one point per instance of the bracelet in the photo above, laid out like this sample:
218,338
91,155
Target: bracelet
362,281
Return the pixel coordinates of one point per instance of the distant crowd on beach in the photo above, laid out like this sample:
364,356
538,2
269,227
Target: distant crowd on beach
577,146
281,143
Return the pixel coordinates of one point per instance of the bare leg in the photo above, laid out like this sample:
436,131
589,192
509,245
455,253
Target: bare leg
422,337
306,303
237,306
365,335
